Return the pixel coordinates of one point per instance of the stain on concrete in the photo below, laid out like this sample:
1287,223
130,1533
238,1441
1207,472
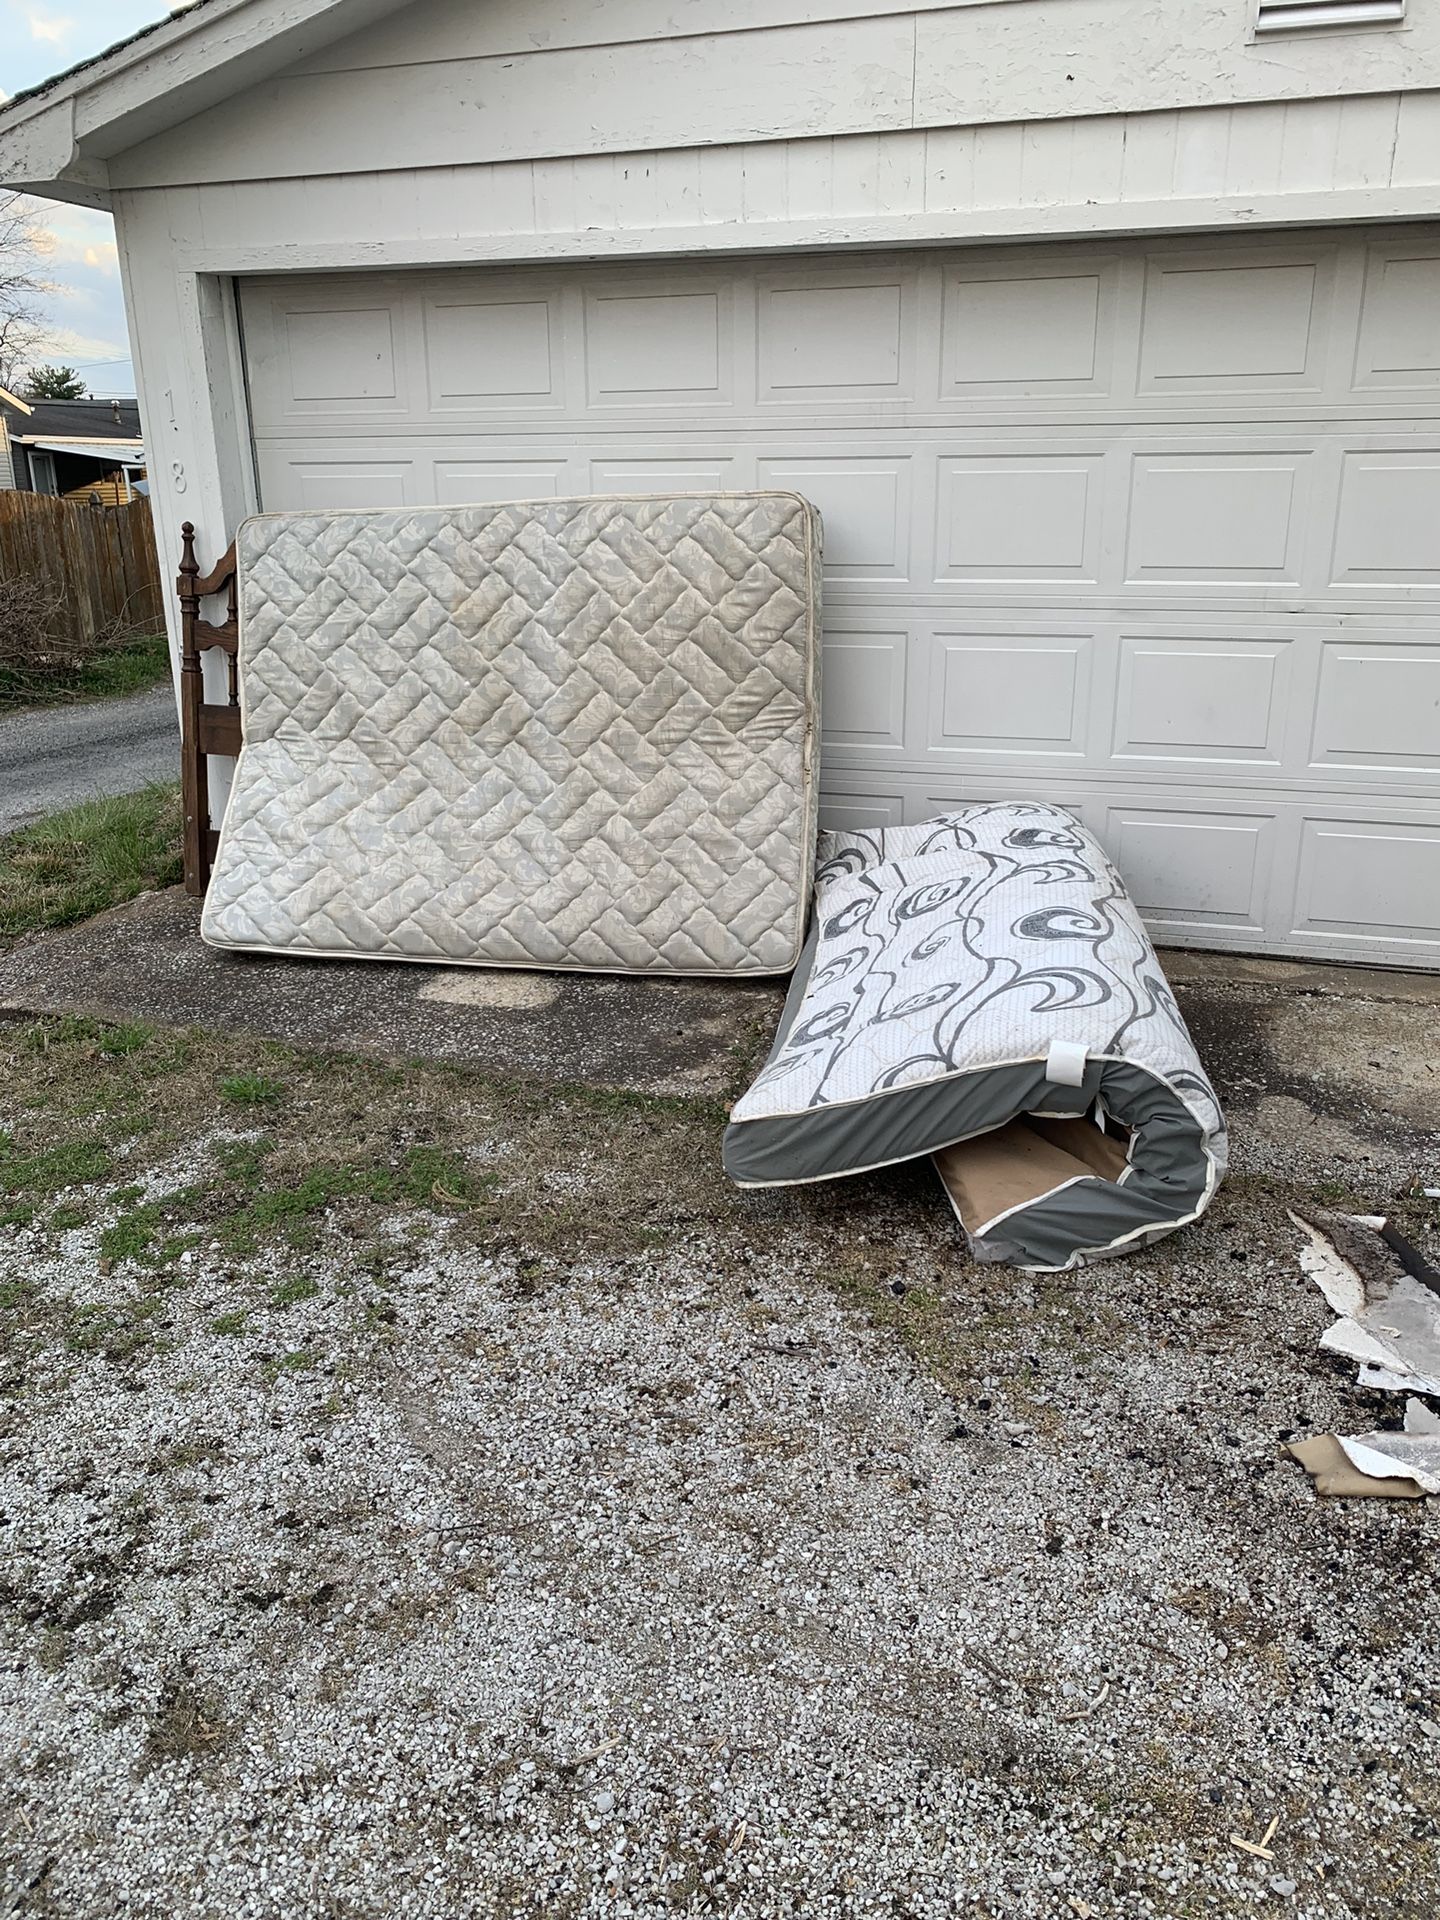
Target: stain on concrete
512,990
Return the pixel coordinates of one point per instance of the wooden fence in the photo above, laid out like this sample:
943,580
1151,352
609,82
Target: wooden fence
98,563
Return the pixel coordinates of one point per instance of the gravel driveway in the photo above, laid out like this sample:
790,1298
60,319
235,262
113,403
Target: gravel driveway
569,1536
52,757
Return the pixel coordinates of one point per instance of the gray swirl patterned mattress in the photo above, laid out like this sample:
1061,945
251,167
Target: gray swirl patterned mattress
980,988
558,733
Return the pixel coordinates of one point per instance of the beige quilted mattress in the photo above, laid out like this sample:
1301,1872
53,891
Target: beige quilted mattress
558,733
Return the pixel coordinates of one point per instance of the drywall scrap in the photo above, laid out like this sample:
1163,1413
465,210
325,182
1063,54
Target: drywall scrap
1387,1302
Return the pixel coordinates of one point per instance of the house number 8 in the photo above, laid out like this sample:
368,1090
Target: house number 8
177,474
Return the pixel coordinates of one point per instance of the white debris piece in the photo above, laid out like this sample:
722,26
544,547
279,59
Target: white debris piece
1389,1323
1389,1320
1413,1454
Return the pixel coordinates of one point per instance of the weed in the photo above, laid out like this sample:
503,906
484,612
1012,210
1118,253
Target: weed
64,1219
16,1293
251,1090
117,1041
429,1173
230,1323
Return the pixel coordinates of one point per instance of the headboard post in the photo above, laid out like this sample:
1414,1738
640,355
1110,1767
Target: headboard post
204,729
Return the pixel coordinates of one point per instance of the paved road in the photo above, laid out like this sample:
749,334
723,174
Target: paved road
57,755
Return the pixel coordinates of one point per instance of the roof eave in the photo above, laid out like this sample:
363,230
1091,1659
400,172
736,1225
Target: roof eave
56,140
41,155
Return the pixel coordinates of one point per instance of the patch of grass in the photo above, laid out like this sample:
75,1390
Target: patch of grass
289,1293
130,1237
91,856
251,1090
300,1361
243,1161
514,1167
128,1039
70,1163
119,1333
290,1210
128,665
430,1173
141,1233
64,1219
230,1323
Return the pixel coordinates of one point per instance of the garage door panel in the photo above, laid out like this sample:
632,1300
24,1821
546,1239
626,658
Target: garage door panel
844,336
1019,517
861,812
1183,697
1029,329
1399,339
1217,518
666,473
1146,529
660,348
345,480
1228,321
1389,511
330,355
468,482
1191,869
865,502
1372,883
1378,707
1019,694
866,675
503,352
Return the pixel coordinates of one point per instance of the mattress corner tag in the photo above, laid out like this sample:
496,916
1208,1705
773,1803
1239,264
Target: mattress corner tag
1065,1063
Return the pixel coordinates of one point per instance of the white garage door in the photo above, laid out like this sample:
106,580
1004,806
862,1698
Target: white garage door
1151,531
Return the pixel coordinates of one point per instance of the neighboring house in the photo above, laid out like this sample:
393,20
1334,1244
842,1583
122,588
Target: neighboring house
73,448
1105,333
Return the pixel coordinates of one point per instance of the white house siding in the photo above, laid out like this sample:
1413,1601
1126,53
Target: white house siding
7,464
451,82
882,127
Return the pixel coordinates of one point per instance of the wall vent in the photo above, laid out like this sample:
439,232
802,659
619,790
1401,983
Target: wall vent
1290,16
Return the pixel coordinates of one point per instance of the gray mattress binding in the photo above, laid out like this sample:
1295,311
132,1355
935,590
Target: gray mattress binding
946,962
554,733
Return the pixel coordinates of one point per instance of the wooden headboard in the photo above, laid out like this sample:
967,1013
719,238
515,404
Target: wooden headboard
204,727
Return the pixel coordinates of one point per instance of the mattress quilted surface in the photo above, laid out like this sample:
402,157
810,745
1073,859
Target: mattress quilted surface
559,733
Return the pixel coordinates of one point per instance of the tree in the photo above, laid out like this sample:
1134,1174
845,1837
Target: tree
54,383
23,246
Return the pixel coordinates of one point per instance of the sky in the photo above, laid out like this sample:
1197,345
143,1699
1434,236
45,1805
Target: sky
86,315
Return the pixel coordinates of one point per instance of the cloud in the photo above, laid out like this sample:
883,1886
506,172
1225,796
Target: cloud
77,237
65,343
55,28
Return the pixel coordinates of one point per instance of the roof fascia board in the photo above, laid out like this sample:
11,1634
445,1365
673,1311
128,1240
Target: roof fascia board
57,142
